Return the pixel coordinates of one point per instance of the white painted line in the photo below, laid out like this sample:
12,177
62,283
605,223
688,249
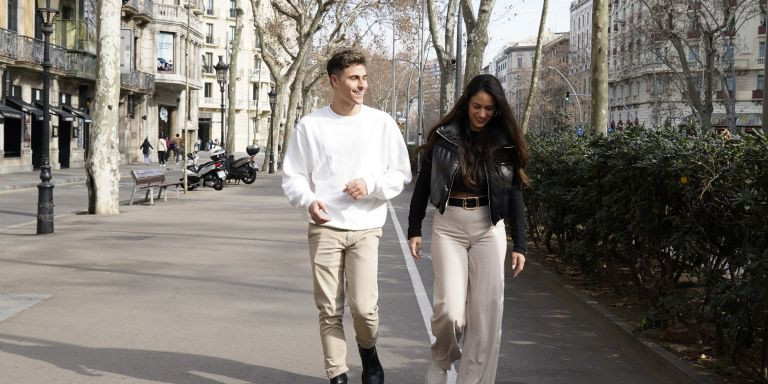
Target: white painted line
418,285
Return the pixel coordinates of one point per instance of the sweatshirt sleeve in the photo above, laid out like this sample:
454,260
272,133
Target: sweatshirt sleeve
296,170
398,173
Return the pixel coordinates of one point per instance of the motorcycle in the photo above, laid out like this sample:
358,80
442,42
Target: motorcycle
244,168
209,174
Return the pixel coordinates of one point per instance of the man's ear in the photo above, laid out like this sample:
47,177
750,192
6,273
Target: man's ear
333,80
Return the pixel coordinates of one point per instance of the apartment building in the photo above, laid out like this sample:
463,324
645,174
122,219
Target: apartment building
644,70
558,106
252,109
581,45
513,66
73,76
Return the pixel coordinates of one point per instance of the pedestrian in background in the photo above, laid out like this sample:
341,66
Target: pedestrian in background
473,173
167,146
146,148
342,164
175,145
161,150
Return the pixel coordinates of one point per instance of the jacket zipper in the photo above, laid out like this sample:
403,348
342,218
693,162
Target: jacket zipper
453,176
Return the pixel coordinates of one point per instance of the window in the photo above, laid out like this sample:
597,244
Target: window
231,34
208,90
255,124
519,62
760,82
208,65
762,50
13,16
16,91
209,34
693,54
729,52
729,83
255,91
37,95
232,8
65,98
209,7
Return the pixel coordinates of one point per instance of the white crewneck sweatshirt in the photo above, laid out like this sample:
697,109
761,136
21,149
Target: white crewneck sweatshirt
327,150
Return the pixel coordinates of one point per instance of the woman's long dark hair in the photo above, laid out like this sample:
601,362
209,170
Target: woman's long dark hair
475,153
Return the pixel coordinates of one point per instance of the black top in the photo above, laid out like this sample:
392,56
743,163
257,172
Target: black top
420,199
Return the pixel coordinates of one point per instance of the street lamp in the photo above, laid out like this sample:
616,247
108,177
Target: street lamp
270,142
221,76
48,10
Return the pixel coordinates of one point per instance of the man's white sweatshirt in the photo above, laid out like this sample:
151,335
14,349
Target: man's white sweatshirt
327,150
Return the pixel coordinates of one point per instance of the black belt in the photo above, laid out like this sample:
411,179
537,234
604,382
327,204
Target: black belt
468,202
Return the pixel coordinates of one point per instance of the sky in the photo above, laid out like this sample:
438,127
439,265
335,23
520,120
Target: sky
516,20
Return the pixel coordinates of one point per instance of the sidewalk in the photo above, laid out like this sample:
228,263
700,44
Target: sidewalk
29,180
215,287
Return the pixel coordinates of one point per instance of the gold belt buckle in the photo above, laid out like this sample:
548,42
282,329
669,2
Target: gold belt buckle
477,202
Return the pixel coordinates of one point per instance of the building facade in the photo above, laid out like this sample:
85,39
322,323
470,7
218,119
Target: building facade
73,76
581,45
252,110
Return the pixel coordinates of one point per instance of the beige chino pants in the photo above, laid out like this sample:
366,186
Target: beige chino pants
345,260
468,263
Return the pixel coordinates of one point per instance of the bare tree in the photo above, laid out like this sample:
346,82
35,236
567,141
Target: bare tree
477,35
444,49
536,64
600,66
101,168
708,27
232,85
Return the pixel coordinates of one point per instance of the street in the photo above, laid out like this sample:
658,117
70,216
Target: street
215,287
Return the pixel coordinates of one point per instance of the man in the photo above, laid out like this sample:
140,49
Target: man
342,164
176,147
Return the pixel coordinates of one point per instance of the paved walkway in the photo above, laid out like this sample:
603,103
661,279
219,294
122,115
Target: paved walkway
214,287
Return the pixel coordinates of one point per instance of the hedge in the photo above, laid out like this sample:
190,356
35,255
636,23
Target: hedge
680,218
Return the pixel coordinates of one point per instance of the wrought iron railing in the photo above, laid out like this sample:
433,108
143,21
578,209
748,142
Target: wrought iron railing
131,3
141,81
8,43
82,64
147,7
31,51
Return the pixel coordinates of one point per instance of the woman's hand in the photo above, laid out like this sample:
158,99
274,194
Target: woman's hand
518,263
414,245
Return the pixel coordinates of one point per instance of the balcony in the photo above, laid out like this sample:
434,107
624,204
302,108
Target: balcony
8,43
176,14
757,94
146,10
81,65
130,7
30,50
138,81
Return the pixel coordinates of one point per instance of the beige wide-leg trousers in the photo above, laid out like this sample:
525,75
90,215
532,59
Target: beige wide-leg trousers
468,264
342,260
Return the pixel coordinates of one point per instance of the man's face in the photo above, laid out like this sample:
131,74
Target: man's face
349,86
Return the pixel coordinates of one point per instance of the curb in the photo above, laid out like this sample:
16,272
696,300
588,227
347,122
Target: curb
670,363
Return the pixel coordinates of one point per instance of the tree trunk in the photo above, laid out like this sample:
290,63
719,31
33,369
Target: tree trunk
297,85
103,174
444,48
477,36
764,11
232,85
536,64
599,116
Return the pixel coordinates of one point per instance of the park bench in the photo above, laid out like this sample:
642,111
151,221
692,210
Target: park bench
149,179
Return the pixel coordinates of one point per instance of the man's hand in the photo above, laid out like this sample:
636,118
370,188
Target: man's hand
318,212
414,244
357,189
518,263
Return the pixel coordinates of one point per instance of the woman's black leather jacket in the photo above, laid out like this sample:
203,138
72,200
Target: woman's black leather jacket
440,166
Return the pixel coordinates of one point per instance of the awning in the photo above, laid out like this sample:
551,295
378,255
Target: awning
25,107
78,113
9,113
62,114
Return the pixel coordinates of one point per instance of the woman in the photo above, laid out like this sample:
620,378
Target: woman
145,147
472,171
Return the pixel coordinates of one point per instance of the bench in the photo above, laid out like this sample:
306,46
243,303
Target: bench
149,179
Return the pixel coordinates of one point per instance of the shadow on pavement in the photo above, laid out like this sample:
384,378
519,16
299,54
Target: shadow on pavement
156,366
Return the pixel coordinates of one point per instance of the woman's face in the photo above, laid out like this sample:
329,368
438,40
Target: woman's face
482,107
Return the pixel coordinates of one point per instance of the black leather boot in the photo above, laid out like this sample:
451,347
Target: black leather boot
340,379
372,371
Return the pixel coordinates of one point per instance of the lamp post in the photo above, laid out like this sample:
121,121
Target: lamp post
270,142
221,76
48,10
258,96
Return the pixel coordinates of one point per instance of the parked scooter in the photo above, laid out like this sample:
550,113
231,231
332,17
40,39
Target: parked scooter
244,168
209,174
